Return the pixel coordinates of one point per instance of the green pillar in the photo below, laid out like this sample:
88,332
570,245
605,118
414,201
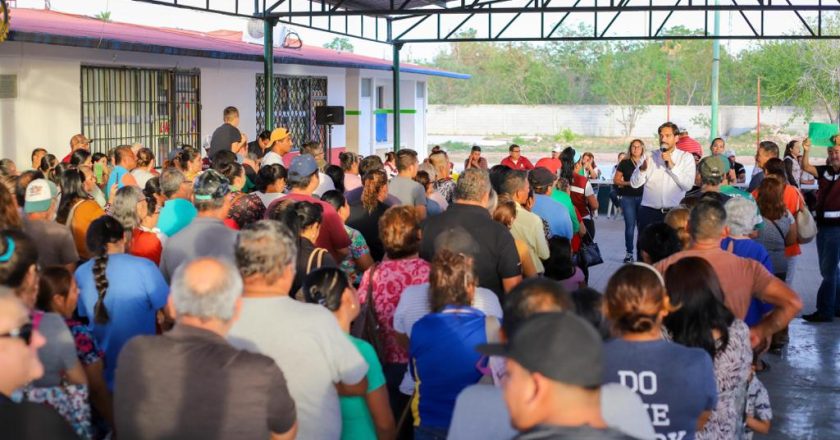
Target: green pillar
268,71
715,76
396,79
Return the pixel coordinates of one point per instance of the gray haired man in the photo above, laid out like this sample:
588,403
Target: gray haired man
304,339
189,382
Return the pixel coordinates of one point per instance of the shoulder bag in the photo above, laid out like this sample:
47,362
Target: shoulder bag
590,253
366,325
806,226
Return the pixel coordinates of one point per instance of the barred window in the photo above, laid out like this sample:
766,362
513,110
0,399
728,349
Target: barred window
295,99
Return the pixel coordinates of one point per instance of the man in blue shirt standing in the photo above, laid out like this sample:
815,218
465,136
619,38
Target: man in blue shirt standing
555,214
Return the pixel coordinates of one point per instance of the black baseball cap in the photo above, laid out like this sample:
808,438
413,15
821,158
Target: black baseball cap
559,345
541,177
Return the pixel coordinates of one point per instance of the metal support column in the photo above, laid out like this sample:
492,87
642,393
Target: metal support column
713,133
396,79
268,71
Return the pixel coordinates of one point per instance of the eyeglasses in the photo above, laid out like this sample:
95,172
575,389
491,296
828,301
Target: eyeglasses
23,332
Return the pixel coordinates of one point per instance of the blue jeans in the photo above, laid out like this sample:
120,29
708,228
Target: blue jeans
630,207
828,250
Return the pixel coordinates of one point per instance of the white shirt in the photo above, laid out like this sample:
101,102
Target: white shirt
664,187
314,354
325,184
414,305
272,158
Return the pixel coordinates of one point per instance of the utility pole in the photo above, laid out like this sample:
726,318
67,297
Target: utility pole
713,133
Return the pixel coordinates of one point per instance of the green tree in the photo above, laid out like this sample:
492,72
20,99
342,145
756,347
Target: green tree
341,44
104,16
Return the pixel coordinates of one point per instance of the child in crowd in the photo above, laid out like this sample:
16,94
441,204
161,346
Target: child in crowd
758,413
561,267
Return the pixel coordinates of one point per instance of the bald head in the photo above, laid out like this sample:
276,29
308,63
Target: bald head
206,288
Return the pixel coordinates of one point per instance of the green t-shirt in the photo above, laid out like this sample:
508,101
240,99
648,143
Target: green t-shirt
356,421
566,200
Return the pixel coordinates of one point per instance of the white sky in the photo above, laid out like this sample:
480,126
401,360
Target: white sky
163,16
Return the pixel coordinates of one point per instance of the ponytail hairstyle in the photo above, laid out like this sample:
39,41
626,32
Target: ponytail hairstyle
268,175
48,162
297,216
325,286
635,296
103,231
450,277
186,155
145,157
79,157
567,159
372,182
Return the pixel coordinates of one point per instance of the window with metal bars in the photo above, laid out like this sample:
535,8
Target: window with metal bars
295,100
157,108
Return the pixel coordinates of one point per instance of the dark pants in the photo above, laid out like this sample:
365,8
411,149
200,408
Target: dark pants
630,208
399,402
645,217
615,198
828,251
589,224
429,433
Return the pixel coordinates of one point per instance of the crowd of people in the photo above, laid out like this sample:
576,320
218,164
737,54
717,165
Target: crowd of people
240,294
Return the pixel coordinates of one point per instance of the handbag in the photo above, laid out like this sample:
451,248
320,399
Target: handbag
366,326
590,253
806,226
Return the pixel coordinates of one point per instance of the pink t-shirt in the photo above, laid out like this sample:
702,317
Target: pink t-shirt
573,282
739,278
389,281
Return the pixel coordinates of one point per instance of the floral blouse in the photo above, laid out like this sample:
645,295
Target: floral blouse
246,209
358,248
87,349
446,188
389,281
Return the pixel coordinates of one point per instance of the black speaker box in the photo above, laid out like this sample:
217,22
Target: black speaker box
329,115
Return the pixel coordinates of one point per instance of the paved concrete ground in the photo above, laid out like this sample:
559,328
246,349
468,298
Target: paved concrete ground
803,382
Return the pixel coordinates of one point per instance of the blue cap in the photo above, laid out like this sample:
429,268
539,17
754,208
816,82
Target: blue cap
301,167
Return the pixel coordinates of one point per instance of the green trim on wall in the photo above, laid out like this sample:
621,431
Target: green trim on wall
353,112
389,111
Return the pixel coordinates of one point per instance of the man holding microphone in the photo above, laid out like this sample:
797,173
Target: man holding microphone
665,174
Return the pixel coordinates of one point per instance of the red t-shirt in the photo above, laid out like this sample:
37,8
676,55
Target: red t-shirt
550,164
523,164
67,158
689,145
333,236
146,244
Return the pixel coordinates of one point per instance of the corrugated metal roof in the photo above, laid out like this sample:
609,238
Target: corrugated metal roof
51,27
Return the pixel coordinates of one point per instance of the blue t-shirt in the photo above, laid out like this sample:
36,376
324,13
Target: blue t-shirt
557,215
746,248
175,215
136,290
444,361
676,383
116,176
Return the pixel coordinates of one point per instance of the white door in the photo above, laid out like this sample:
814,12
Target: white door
366,119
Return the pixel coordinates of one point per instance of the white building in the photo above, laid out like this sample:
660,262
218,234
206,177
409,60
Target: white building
118,83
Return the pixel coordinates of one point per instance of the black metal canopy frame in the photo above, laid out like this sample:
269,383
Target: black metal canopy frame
397,22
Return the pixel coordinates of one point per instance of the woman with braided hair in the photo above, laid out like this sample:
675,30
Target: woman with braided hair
119,293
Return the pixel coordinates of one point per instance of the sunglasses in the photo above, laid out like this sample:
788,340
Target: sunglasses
23,332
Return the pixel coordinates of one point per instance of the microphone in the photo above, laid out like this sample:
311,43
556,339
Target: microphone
663,147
